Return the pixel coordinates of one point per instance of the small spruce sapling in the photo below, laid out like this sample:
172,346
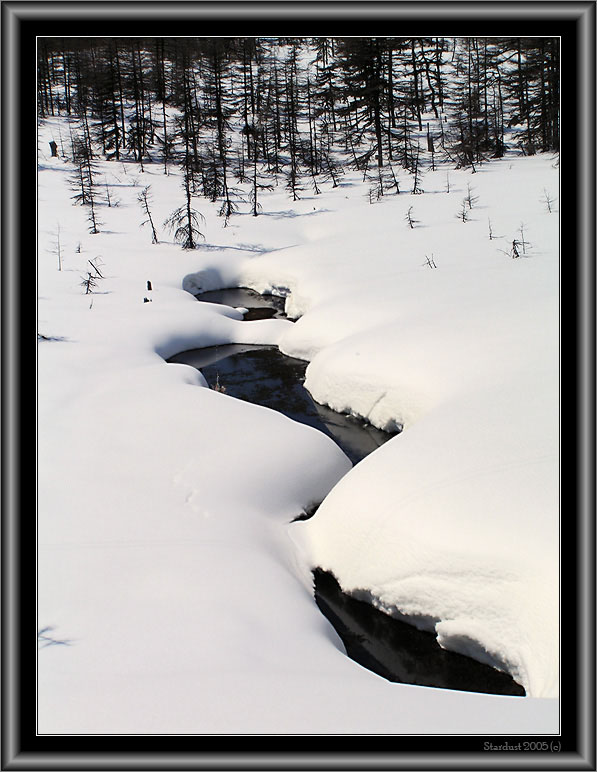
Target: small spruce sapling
549,201
92,219
184,222
331,171
385,182
316,189
417,173
227,209
144,198
410,219
491,233
84,181
463,213
523,243
108,199
394,180
257,185
375,188
89,283
470,199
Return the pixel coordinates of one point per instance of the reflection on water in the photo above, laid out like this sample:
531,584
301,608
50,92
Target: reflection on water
264,376
399,651
259,306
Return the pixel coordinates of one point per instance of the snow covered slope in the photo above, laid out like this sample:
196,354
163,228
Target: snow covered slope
167,557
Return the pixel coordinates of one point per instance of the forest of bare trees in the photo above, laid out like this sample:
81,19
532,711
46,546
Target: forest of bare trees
255,111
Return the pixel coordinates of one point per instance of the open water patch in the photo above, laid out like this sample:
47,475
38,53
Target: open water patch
258,306
400,652
264,376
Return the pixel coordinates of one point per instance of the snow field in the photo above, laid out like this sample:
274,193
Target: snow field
165,554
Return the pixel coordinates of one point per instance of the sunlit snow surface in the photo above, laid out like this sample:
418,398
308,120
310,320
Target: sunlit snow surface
167,556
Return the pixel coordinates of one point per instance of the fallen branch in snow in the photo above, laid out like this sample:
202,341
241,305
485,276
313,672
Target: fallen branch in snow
515,249
99,274
44,639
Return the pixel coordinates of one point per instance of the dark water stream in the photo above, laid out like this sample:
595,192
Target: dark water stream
263,375
258,306
399,651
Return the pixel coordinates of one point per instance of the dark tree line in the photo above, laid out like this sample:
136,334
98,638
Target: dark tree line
258,110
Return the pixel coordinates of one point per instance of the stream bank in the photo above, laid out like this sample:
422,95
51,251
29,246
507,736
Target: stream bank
261,374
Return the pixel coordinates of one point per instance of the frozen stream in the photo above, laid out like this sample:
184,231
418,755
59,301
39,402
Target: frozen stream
387,646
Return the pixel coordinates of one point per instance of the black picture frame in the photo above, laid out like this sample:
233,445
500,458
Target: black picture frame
22,23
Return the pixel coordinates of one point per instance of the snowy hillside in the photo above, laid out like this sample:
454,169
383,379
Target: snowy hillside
166,554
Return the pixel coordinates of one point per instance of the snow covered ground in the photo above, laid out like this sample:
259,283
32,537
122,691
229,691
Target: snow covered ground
167,556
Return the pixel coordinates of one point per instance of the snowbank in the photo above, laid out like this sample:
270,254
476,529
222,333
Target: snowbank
457,518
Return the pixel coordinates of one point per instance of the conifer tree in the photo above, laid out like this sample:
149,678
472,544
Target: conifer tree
84,182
